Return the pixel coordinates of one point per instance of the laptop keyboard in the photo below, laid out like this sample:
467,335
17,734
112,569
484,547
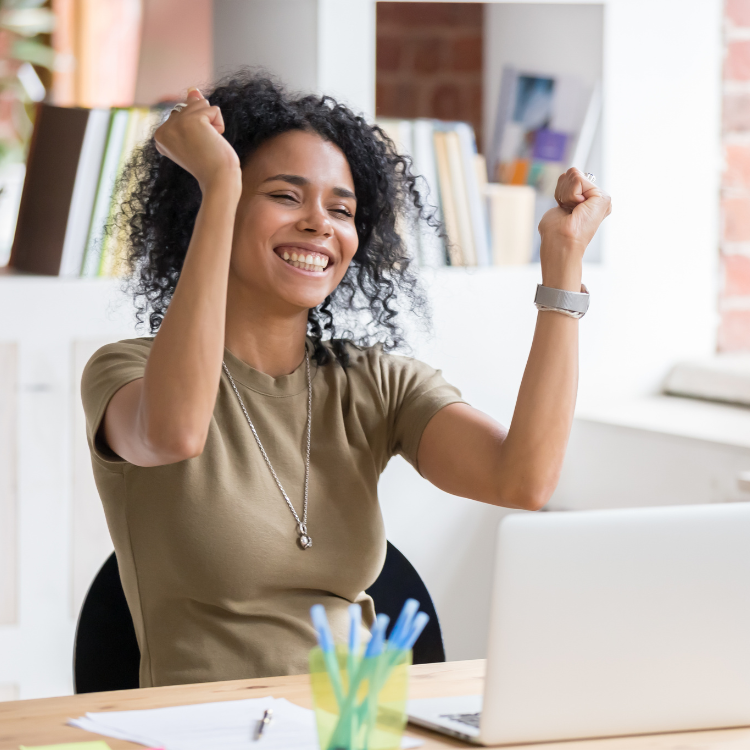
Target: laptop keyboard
471,719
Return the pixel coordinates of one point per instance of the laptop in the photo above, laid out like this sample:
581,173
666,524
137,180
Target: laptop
612,622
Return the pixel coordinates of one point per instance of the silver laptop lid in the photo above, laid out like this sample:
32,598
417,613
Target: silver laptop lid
619,622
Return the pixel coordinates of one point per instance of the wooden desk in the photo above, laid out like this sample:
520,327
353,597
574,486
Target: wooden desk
42,722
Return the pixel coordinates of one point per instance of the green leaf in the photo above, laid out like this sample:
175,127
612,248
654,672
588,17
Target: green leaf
36,53
28,21
22,3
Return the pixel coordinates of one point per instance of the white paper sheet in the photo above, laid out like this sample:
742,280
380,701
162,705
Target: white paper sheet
224,725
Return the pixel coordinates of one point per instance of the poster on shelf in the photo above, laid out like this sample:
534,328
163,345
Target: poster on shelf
542,120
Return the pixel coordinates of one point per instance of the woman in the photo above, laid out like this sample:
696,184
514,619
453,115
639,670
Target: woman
256,219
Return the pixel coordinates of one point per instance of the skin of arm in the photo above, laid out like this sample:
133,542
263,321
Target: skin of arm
467,453
164,416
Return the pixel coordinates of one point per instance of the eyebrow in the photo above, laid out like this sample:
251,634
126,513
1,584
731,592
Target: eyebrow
295,179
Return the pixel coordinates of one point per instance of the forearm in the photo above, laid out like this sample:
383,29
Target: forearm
184,366
531,457
467,453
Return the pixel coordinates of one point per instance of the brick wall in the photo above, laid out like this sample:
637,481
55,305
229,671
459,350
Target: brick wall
734,302
429,61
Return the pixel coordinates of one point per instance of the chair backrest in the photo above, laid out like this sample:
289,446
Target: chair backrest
106,654
397,582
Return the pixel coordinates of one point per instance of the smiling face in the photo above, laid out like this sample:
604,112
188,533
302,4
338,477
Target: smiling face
294,234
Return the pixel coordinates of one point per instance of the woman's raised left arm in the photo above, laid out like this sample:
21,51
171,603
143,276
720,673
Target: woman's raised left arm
465,452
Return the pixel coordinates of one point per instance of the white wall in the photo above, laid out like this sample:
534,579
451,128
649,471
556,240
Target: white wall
662,72
278,36
324,46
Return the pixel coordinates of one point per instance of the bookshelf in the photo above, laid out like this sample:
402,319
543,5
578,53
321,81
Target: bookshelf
653,302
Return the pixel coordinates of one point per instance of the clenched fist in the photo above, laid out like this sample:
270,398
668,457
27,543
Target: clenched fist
567,229
193,139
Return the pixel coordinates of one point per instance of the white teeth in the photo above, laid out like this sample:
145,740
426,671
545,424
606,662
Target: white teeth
315,263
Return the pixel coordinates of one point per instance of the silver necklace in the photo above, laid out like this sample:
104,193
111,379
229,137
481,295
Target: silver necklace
303,538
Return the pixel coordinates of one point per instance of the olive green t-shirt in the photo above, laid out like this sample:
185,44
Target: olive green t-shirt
213,576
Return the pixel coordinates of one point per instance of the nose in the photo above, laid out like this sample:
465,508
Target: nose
316,221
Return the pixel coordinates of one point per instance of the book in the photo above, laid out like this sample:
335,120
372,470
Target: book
460,197
84,192
11,187
400,132
447,199
105,188
113,260
49,185
511,213
477,214
585,141
432,251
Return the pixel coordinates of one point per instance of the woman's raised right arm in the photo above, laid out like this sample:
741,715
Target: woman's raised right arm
164,416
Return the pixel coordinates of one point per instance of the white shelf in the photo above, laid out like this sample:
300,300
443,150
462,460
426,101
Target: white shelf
721,424
35,309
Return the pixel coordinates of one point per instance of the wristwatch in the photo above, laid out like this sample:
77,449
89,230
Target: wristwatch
572,304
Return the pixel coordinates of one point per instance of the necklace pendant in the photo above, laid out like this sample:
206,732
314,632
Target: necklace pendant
304,539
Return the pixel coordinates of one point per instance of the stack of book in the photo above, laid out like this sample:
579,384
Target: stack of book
75,159
484,224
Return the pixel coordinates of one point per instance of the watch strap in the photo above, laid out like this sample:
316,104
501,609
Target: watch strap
561,300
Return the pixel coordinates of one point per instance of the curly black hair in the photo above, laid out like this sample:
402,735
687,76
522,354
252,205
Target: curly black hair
157,213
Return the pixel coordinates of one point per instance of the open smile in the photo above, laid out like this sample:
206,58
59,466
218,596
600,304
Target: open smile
304,259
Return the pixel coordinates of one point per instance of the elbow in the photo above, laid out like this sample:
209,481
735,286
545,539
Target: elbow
180,446
535,502
527,496
190,446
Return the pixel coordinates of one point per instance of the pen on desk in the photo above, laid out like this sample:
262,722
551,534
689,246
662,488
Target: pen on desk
264,722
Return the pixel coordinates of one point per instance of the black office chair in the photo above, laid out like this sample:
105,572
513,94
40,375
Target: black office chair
106,654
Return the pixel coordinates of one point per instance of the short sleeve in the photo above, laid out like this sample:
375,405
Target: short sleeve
111,367
412,393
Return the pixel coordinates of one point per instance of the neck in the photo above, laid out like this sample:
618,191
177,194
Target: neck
272,342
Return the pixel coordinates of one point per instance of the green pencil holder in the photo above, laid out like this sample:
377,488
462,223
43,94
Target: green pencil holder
373,716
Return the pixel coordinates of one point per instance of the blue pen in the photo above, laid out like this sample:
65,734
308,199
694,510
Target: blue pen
325,640
375,646
355,638
416,630
403,623
369,664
